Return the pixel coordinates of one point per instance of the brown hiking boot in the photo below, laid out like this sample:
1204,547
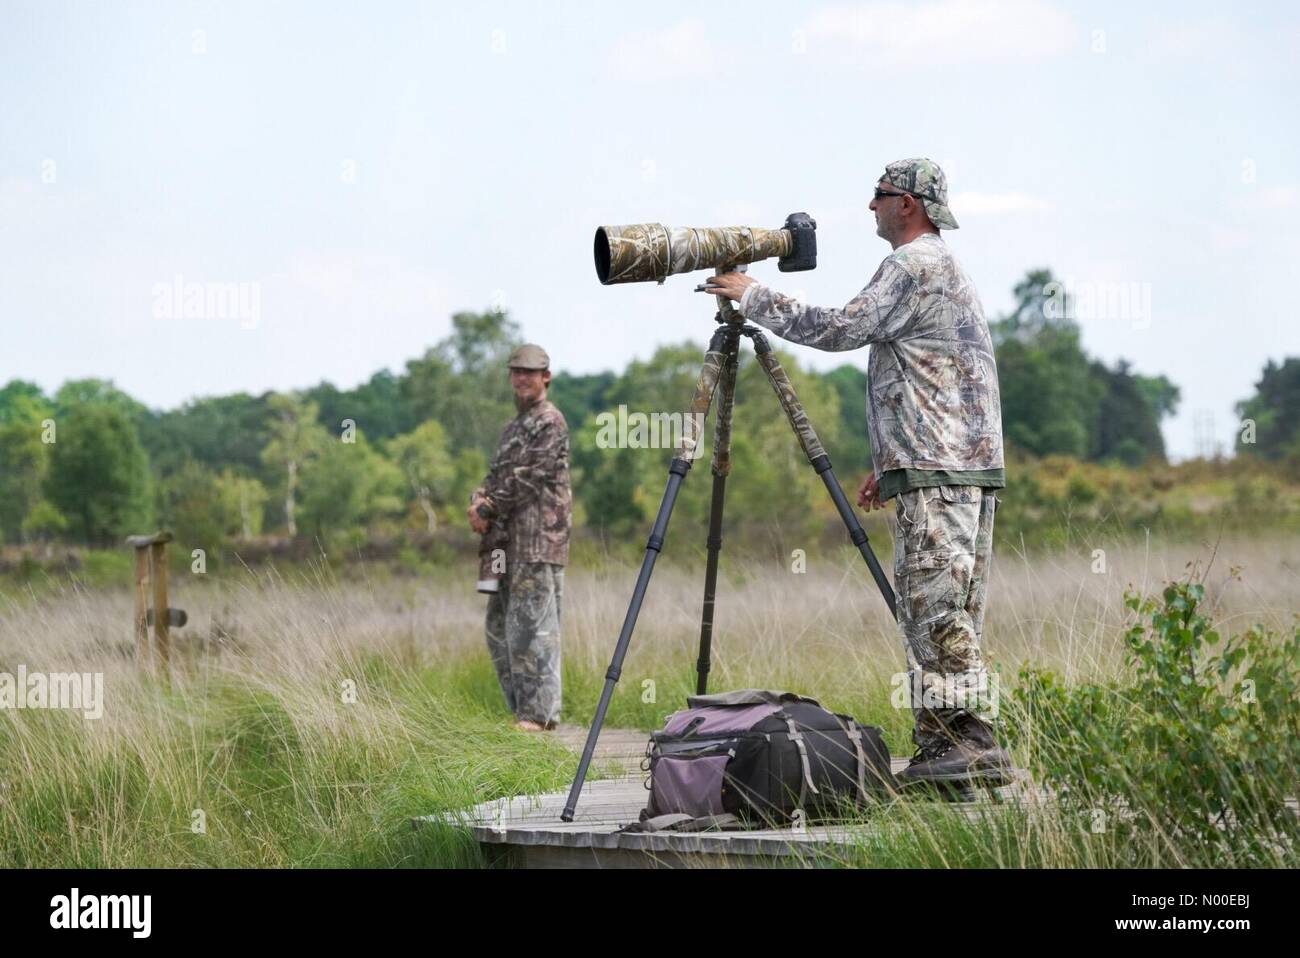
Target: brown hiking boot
972,757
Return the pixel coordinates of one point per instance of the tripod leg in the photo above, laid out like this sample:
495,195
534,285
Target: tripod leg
687,449
821,462
721,468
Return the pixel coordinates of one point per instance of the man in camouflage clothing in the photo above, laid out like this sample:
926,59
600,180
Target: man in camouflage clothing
527,492
935,423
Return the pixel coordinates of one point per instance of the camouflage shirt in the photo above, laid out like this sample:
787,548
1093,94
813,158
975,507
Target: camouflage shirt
932,385
527,485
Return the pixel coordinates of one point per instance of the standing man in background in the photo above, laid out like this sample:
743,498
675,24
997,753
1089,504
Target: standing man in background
935,421
527,491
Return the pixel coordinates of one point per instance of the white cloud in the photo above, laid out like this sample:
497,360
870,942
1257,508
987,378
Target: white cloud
849,214
1285,197
15,190
1228,240
1202,39
680,50
359,285
942,32
740,214
996,204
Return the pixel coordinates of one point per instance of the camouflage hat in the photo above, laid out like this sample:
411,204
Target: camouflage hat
924,178
529,356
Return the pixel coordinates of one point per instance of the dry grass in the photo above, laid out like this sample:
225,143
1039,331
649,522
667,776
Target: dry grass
254,728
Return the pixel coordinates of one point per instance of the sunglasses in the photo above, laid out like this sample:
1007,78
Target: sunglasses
881,194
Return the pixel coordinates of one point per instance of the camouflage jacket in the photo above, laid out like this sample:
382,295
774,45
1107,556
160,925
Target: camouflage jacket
932,385
527,485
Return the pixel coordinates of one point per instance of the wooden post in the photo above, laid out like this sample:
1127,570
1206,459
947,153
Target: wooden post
161,623
141,600
151,564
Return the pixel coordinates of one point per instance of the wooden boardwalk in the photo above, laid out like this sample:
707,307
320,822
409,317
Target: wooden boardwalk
526,831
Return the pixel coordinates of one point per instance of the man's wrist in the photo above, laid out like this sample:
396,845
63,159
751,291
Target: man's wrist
746,298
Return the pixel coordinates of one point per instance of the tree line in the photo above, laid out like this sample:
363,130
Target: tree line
399,453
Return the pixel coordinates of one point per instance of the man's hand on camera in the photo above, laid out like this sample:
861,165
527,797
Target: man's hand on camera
730,285
869,494
477,522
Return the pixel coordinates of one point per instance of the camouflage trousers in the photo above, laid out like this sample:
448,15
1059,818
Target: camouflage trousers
523,638
942,552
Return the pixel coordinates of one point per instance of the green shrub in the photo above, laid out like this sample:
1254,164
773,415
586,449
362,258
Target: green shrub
108,568
1198,751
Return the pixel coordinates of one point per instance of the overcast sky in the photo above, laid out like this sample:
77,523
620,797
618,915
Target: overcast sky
367,169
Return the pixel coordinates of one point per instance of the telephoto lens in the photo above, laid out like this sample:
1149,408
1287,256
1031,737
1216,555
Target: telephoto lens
645,252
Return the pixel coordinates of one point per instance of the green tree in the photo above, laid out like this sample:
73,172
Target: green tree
470,467
774,484
853,454
347,484
241,502
377,406
771,490
1274,411
1160,394
76,393
218,431
427,466
295,439
24,458
1050,398
43,522
1055,400
580,396
606,481
19,395
463,383
191,508
1127,427
99,473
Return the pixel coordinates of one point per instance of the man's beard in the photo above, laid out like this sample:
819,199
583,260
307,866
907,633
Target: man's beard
521,403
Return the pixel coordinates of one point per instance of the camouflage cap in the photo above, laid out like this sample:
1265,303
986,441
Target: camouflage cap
529,356
924,178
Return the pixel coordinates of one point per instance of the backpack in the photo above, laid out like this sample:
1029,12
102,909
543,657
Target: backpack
760,757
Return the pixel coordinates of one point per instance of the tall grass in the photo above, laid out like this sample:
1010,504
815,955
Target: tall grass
308,719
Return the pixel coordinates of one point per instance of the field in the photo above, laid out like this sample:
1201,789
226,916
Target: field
313,712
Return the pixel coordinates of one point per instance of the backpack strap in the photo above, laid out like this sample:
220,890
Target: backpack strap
659,823
747,697
806,782
710,823
681,822
855,737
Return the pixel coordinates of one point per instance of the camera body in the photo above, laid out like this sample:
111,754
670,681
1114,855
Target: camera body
803,255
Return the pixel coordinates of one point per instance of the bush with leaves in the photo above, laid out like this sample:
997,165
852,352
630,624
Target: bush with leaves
1199,750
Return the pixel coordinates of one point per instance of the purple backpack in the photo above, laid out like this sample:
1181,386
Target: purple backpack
760,757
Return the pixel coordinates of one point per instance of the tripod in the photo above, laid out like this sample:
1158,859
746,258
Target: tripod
718,375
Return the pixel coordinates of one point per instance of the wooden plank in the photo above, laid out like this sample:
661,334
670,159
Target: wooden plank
527,830
141,608
161,628
142,542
